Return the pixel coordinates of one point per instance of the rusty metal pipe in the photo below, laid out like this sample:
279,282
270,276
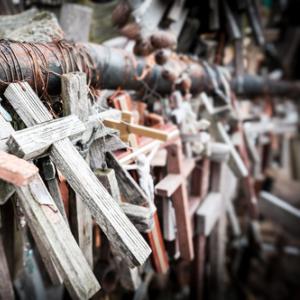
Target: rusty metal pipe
42,64
255,86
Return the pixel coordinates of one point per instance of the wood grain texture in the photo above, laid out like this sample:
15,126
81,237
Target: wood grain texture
46,221
129,277
140,216
33,141
74,91
15,170
54,237
108,178
51,177
120,231
128,186
108,214
50,266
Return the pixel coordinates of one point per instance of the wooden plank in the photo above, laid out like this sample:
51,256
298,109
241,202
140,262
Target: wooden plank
108,178
218,152
168,185
180,203
52,270
160,158
128,128
217,240
15,170
123,236
50,264
208,213
168,220
128,186
159,255
6,191
216,177
51,178
33,141
200,179
119,230
45,220
12,235
193,205
235,161
198,267
141,217
6,288
137,152
217,247
189,165
280,212
295,147
97,154
74,92
130,277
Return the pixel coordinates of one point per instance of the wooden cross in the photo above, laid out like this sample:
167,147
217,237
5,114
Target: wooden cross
75,101
56,242
134,194
123,236
174,186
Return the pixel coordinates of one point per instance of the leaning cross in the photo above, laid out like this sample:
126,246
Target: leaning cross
122,234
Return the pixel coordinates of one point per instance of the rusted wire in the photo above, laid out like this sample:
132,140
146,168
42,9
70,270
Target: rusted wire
67,56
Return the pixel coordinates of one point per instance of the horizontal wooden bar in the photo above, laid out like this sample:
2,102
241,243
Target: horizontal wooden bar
208,213
168,185
33,141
